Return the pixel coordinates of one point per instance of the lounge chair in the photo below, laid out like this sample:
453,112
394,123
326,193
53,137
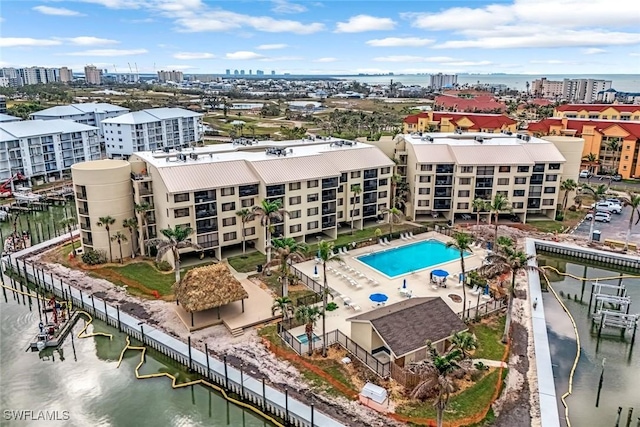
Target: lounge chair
345,251
360,274
386,240
355,307
381,242
375,283
476,290
402,236
411,236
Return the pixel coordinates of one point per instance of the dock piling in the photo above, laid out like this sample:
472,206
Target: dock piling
206,353
226,374
618,416
629,416
190,360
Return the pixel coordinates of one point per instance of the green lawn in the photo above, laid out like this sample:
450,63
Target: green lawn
550,226
467,403
248,262
489,336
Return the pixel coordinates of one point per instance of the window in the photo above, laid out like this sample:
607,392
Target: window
312,183
354,174
181,197
353,200
554,166
312,197
425,179
312,211
294,186
503,181
521,180
423,203
523,168
249,231
229,236
382,194
383,181
180,213
312,225
466,169
547,202
295,214
226,207
426,168
463,193
551,178
463,205
424,191
247,203
464,181
518,193
354,212
229,191
504,169
385,170
517,205
295,228
550,190
295,200
485,170
502,193
382,206
229,221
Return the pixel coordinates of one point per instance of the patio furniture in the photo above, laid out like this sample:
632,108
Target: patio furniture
317,260
347,301
345,251
386,240
355,307
359,274
402,236
476,290
411,236
381,242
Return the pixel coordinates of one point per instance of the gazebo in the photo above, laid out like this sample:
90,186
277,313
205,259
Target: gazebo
208,287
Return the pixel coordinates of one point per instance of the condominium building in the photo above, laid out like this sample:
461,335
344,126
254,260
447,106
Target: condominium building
151,129
204,187
15,77
91,113
625,112
547,88
446,172
8,118
92,75
3,104
597,136
170,76
431,121
66,75
441,81
45,150
572,90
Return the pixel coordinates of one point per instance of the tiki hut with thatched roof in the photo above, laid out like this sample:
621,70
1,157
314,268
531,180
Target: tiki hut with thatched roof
211,286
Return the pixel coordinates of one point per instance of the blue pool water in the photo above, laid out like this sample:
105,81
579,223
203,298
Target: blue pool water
412,257
303,338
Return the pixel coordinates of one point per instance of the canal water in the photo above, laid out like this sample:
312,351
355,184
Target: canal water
622,368
82,379
41,225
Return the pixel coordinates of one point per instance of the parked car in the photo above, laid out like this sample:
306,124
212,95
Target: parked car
585,174
610,207
600,217
617,177
615,200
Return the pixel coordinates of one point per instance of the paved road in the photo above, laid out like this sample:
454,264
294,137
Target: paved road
616,229
633,186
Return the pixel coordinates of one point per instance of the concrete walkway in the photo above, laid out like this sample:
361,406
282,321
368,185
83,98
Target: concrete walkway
490,362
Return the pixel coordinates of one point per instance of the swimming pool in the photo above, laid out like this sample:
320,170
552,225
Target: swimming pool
304,339
413,257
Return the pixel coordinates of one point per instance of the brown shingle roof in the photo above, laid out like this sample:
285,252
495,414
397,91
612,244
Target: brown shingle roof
407,326
208,287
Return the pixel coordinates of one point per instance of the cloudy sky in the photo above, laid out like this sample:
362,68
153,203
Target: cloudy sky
326,36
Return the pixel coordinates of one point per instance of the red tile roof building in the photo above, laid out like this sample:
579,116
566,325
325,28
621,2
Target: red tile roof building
478,104
599,111
438,121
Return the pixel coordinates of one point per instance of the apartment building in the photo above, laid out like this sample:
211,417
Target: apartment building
3,104
92,75
151,129
204,187
66,75
547,88
170,76
91,113
433,121
624,112
440,81
572,90
8,118
597,136
45,150
446,172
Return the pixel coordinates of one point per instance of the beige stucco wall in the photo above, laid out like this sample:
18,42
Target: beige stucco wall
361,333
107,184
572,149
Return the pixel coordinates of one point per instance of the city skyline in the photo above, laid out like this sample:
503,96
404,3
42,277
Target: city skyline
193,36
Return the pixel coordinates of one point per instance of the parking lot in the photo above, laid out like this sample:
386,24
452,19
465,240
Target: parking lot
616,229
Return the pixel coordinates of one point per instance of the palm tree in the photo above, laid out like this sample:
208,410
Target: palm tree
356,190
119,237
394,215
68,223
614,145
143,209
599,193
499,204
510,261
283,305
245,216
567,186
462,243
176,239
592,160
287,250
131,224
251,128
479,205
326,254
107,222
437,375
465,342
308,315
269,212
632,200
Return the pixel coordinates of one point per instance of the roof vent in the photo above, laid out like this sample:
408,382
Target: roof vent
165,149
193,156
479,139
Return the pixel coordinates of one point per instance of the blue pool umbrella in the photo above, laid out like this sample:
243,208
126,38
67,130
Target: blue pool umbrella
378,297
440,273
404,284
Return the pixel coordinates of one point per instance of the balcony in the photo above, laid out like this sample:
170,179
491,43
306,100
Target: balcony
444,169
206,229
371,185
484,182
204,196
442,193
370,173
328,195
329,221
250,190
328,208
81,196
536,179
442,205
141,177
83,210
88,242
329,183
205,213
369,211
85,225
370,198
444,181
275,190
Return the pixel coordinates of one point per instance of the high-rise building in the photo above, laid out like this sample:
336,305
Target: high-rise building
250,72
273,72
236,72
228,72
3,105
259,73
170,76
92,75
242,72
583,90
15,77
441,81
66,75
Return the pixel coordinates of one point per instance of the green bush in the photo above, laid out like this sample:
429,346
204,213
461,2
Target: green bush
559,216
332,306
93,257
476,280
163,266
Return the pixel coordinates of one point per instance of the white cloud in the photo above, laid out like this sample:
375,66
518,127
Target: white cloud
139,21
27,41
273,46
283,6
466,63
415,58
549,61
90,41
593,51
326,59
280,58
57,11
372,71
361,23
180,67
243,55
634,54
108,52
400,42
193,55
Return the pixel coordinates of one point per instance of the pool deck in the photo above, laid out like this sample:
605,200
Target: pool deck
417,282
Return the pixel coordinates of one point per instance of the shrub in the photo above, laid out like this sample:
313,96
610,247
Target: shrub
332,306
93,257
163,266
476,280
559,216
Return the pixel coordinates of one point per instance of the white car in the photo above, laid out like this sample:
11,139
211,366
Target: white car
585,174
610,207
600,217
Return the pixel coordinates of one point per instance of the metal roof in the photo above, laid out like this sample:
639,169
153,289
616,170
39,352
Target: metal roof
77,109
200,176
544,153
286,169
152,115
433,153
492,155
28,128
8,118
358,157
